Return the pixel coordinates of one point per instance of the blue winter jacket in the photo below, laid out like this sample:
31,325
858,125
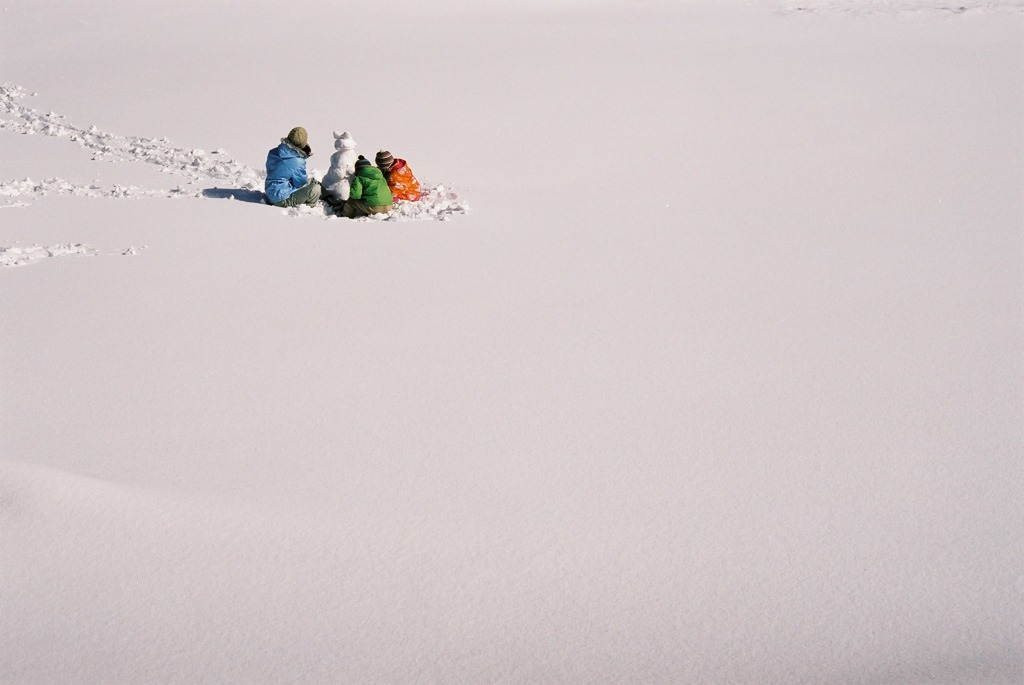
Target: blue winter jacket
286,172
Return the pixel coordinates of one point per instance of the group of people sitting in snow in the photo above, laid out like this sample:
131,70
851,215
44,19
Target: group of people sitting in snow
353,186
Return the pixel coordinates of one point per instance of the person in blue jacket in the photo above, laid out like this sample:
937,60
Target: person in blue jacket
287,184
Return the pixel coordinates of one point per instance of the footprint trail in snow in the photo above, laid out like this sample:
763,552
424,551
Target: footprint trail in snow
192,165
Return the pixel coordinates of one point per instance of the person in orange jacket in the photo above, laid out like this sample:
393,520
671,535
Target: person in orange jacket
402,183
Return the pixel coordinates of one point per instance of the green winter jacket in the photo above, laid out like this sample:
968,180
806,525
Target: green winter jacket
369,186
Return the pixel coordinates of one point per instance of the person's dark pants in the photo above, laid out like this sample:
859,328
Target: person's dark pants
357,208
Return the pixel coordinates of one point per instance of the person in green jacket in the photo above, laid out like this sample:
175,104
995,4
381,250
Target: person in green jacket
369,192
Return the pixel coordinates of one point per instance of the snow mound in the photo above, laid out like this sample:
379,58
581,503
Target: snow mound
899,7
437,202
28,491
19,256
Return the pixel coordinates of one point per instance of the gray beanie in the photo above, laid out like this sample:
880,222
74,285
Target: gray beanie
297,137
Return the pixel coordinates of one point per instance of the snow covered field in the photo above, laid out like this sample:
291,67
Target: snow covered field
703,362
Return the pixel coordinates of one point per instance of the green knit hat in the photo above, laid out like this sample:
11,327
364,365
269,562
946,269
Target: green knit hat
297,137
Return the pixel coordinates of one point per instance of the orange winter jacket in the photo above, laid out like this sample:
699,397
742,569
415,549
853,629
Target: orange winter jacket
403,184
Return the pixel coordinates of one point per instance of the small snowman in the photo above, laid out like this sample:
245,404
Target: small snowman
337,181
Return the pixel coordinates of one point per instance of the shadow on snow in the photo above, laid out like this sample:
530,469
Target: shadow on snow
241,194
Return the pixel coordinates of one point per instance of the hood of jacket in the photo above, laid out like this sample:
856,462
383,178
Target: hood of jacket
370,172
286,147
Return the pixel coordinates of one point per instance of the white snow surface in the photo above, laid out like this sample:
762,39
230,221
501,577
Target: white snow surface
20,255
720,382
897,7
